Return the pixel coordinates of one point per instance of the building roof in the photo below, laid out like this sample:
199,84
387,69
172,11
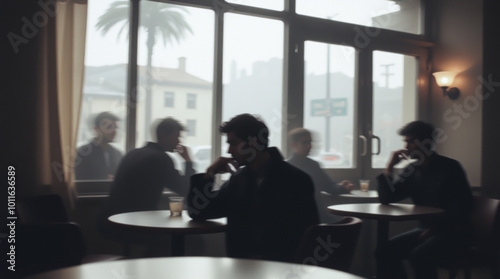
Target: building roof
112,79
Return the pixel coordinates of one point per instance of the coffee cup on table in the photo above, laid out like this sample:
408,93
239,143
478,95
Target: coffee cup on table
176,204
364,185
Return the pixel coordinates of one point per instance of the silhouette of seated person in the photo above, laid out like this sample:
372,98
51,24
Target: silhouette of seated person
429,180
98,160
268,203
300,140
141,179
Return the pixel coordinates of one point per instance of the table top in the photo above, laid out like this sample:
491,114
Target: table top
193,267
390,212
161,221
370,194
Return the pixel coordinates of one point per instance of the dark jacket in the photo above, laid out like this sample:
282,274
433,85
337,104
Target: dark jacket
322,183
90,163
141,178
442,183
266,221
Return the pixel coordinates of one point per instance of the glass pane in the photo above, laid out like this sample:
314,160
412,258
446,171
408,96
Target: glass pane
404,16
253,71
394,101
175,59
104,90
329,103
276,5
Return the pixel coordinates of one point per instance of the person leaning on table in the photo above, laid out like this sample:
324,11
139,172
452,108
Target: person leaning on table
268,203
432,180
301,143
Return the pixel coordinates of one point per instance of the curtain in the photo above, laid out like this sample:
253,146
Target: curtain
61,71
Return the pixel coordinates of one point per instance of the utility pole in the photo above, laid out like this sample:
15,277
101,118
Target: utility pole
386,73
327,128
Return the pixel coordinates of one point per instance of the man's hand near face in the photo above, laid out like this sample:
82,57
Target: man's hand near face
221,165
184,152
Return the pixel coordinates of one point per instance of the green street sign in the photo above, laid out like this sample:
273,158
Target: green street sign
338,107
329,107
319,108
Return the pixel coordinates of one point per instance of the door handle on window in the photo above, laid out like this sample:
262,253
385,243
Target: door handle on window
378,144
365,142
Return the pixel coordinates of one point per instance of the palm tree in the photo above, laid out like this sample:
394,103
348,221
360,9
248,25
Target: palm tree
157,19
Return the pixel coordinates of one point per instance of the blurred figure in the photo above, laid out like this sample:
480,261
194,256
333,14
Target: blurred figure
268,203
300,141
99,159
432,180
141,178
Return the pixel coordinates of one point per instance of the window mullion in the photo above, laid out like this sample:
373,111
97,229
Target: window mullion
132,75
217,85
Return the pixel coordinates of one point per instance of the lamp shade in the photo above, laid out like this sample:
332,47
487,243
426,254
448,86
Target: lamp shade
444,79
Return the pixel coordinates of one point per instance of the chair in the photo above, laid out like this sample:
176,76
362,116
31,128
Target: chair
485,249
47,240
330,245
42,209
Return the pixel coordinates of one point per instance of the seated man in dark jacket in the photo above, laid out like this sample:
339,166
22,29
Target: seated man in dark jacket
268,203
143,175
432,180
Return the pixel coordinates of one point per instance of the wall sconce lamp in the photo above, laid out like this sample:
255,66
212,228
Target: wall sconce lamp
444,80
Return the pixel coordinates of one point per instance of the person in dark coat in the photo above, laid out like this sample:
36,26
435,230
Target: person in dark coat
268,203
99,160
142,177
301,143
430,180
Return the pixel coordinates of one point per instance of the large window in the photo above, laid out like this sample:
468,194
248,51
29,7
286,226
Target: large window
175,54
329,102
104,88
223,58
394,96
253,70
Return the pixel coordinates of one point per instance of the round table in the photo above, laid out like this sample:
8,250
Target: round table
193,267
385,213
160,221
358,195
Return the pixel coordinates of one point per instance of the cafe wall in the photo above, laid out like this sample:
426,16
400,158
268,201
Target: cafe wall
457,33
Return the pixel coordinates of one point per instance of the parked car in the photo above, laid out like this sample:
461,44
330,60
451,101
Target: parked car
329,159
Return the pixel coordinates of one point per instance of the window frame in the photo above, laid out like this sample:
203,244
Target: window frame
295,28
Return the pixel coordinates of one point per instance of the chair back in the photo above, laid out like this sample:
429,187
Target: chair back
43,247
486,226
330,245
42,209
